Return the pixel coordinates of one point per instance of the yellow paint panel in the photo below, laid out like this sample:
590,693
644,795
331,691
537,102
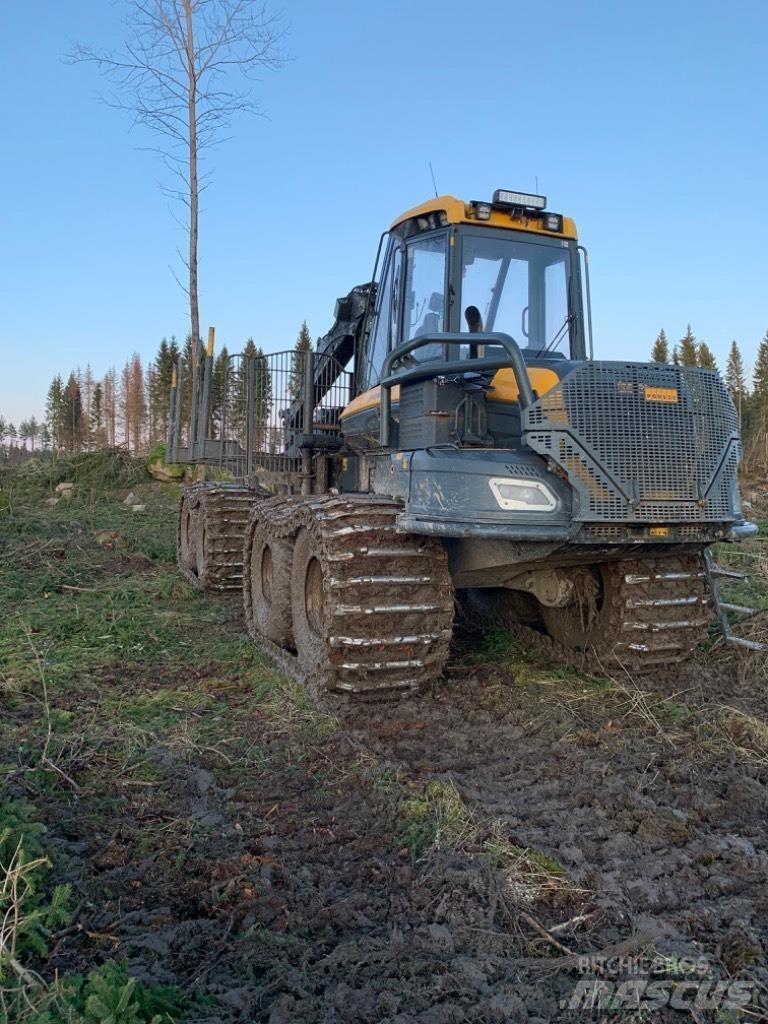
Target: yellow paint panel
659,531
504,385
668,395
503,389
368,400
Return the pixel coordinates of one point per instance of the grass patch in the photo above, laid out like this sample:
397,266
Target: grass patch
744,733
438,816
106,658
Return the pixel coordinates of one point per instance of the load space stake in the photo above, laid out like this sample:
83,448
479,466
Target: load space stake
714,572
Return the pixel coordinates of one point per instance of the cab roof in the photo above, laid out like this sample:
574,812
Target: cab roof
457,211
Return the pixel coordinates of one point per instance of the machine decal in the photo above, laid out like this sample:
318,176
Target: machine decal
669,395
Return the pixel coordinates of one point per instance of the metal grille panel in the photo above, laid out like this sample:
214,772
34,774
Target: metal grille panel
642,443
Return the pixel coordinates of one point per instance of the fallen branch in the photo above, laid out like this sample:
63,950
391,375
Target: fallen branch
60,771
575,922
547,936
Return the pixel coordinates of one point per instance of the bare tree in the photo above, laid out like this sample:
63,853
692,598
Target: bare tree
176,73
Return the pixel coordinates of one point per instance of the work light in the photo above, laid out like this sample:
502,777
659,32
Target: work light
481,210
501,197
552,222
522,495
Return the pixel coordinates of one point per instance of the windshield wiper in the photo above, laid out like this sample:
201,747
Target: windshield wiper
558,335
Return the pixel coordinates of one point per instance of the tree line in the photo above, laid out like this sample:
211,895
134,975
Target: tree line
130,408
749,397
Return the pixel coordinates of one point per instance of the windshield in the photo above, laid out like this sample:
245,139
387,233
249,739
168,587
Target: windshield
520,288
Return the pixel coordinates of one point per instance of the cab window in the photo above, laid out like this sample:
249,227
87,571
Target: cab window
424,300
384,335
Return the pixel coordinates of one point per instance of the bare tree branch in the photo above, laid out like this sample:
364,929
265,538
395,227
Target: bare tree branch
174,74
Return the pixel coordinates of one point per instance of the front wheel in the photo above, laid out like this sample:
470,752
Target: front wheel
642,613
372,609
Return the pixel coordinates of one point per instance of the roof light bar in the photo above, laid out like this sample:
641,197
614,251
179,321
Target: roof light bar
501,197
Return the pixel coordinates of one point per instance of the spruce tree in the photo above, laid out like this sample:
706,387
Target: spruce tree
760,378
303,344
736,381
660,350
706,357
688,349
72,415
238,394
220,381
160,387
54,410
34,430
186,357
735,378
262,399
97,415
262,396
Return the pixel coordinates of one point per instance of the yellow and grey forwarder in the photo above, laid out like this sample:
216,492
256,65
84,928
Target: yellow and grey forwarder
452,446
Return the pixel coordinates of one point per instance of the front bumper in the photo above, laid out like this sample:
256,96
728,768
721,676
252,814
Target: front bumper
742,530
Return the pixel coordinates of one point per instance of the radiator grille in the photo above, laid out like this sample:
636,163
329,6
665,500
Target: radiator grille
641,443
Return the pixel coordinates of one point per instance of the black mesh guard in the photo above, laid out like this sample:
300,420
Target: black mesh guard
642,443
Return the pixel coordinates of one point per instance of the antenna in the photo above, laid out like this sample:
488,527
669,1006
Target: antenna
537,183
434,185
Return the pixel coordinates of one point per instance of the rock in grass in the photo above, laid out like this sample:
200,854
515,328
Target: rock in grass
130,499
52,501
138,508
109,538
158,468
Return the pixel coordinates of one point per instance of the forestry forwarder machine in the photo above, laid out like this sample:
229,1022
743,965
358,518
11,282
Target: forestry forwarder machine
437,452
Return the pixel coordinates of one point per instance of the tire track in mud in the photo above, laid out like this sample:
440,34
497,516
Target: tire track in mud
667,829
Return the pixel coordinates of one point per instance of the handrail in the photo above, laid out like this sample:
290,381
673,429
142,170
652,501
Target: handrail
435,368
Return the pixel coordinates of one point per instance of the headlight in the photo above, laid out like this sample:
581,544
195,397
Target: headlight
522,495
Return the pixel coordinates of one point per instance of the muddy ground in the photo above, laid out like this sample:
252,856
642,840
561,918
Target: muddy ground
421,862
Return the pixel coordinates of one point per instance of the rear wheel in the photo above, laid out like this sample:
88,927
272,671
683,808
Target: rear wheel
643,613
267,565
211,526
187,530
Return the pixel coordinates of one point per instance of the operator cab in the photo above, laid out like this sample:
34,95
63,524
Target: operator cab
506,266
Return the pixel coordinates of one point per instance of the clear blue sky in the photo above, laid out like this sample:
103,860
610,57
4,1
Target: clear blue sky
645,122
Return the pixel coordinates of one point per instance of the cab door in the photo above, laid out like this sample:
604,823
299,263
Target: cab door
360,419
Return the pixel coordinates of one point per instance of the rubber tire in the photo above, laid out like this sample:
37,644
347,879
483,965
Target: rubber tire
201,556
311,645
269,616
187,534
